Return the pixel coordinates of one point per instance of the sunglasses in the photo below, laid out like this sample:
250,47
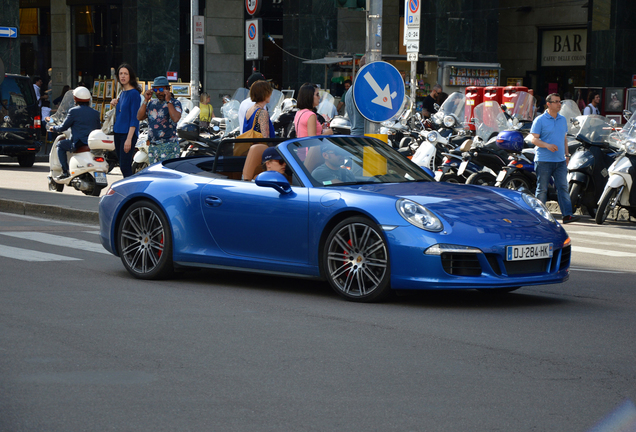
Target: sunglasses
157,89
559,102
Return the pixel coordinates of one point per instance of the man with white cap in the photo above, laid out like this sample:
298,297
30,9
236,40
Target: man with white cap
82,120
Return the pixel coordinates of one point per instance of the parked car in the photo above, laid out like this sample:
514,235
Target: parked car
20,121
366,219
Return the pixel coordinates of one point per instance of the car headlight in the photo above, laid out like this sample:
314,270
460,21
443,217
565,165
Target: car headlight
538,206
630,147
432,137
418,215
449,121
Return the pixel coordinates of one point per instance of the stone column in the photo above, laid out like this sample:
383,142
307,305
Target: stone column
224,49
60,46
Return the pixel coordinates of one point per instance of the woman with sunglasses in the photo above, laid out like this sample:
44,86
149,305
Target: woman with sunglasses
126,124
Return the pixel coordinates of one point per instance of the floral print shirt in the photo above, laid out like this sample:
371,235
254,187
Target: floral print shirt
161,128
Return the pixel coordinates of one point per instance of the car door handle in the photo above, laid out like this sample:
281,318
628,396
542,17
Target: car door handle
213,201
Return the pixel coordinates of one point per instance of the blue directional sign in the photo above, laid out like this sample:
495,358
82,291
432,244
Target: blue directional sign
378,91
9,32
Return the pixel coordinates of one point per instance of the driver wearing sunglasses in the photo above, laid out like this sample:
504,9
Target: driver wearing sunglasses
163,113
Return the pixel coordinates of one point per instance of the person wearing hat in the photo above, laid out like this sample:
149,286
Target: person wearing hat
162,113
248,103
273,161
82,120
331,171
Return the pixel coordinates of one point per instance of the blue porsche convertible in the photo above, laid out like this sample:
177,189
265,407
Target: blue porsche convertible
350,210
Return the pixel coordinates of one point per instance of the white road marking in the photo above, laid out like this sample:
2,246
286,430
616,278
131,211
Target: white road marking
609,243
611,253
57,240
92,232
606,235
30,255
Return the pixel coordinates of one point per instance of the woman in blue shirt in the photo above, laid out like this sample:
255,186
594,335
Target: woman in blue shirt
126,123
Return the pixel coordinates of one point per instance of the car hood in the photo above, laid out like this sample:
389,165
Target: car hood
467,204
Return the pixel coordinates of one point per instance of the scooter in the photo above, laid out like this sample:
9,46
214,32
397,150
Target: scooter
619,191
87,166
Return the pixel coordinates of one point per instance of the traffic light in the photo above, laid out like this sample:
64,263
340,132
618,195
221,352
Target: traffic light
352,4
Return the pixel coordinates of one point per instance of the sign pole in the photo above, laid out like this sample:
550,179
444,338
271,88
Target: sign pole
412,39
374,47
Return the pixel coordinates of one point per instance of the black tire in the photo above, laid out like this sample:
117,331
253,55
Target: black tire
53,186
355,260
606,205
575,195
482,178
96,191
518,182
144,242
26,160
451,177
136,166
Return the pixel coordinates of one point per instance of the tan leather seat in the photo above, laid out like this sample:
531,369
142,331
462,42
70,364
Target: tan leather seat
253,162
314,159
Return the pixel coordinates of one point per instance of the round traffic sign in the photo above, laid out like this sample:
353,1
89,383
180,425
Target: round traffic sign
252,6
251,31
378,91
414,5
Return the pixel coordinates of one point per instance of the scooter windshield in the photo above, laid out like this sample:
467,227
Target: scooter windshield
327,107
274,107
62,110
524,107
570,110
594,129
489,120
241,94
230,112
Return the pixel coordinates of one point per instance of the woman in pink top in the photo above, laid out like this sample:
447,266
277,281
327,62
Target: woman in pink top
306,121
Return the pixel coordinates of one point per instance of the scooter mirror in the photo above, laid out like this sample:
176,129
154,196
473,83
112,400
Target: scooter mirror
613,123
627,114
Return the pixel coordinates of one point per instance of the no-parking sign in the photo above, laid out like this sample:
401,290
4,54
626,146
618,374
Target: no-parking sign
253,39
412,12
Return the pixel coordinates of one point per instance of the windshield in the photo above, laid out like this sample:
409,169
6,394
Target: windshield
629,129
327,107
274,107
570,110
62,110
524,106
330,161
489,119
595,129
229,111
241,94
453,105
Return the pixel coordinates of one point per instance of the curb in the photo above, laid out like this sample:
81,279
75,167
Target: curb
49,211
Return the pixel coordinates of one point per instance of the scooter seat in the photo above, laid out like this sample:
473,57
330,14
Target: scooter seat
83,149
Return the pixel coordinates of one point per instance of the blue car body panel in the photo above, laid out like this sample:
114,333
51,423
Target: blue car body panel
224,223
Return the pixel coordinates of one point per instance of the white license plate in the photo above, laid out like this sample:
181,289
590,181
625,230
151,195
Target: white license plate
438,175
100,178
462,167
528,252
501,175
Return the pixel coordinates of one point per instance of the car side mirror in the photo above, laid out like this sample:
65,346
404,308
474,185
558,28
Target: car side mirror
275,180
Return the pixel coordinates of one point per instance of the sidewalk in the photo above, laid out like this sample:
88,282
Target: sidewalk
71,208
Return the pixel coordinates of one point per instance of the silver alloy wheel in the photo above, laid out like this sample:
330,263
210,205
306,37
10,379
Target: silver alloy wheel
142,240
357,259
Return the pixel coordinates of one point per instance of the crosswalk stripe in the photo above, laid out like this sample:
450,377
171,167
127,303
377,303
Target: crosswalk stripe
612,253
604,243
57,240
31,255
603,234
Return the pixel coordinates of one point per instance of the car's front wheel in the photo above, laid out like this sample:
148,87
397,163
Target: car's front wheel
356,260
144,241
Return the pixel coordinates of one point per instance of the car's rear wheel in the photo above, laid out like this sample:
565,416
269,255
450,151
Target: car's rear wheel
356,260
26,160
144,242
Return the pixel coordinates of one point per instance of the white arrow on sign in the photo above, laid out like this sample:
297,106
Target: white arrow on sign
383,97
7,32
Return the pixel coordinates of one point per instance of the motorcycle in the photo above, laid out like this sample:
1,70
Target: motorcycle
619,192
479,155
87,166
588,166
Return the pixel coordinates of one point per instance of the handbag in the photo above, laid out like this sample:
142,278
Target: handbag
241,149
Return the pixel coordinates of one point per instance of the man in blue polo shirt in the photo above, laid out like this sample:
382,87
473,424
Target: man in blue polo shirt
548,134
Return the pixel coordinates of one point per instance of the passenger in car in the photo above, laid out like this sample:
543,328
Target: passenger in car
331,171
273,161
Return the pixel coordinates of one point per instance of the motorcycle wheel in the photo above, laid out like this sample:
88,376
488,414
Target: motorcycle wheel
136,167
606,205
452,178
55,186
517,182
575,195
482,179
